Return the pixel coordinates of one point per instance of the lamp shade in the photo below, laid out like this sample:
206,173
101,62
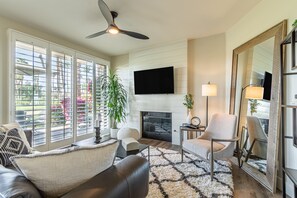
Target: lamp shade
254,92
209,90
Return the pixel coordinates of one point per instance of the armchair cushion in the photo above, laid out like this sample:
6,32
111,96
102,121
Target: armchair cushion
201,147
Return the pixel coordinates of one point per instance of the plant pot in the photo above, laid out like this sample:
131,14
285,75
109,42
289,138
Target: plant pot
114,133
189,117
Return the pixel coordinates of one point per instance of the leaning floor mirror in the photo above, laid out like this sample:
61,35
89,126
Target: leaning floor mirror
256,64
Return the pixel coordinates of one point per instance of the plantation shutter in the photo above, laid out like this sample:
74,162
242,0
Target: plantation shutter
61,97
101,105
30,89
84,97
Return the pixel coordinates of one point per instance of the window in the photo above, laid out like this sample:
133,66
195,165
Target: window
101,106
84,96
56,94
30,89
61,97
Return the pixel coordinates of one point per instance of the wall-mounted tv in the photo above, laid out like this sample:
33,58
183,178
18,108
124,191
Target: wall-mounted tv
267,85
154,81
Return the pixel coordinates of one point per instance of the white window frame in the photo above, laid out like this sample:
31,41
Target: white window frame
14,36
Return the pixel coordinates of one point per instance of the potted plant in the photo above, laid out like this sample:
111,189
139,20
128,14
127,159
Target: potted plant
253,106
115,96
189,103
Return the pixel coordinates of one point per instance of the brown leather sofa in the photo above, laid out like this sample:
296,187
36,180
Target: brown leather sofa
128,178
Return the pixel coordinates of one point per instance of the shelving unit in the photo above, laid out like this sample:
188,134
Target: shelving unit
290,40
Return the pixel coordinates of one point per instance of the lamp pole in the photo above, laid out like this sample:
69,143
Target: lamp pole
206,123
238,121
208,90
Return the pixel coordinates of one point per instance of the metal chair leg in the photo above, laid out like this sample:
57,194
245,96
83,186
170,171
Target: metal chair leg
238,154
250,151
211,161
182,155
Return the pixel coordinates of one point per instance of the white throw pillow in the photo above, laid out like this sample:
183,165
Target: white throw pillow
7,127
57,172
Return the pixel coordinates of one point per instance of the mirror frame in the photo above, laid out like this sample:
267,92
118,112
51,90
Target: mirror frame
279,32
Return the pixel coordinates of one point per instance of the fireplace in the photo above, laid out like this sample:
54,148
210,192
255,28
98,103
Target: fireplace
157,125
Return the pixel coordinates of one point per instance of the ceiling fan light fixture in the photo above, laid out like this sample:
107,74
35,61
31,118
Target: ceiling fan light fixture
113,30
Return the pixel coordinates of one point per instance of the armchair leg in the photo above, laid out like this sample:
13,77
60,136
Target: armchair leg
211,168
211,162
250,151
182,155
238,154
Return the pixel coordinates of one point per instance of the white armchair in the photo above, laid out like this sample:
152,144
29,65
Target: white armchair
257,139
217,142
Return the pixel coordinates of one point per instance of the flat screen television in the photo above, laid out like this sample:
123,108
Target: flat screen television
154,81
267,85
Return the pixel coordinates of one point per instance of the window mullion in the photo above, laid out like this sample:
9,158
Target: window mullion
74,97
48,95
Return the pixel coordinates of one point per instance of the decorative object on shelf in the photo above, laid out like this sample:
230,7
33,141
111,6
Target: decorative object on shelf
97,129
189,103
116,98
253,106
208,90
252,92
195,121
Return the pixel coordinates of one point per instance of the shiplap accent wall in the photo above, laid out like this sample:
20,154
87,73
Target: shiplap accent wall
173,54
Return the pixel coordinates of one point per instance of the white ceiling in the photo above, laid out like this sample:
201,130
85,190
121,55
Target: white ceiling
162,20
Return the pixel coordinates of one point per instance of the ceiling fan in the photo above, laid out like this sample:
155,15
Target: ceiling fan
112,27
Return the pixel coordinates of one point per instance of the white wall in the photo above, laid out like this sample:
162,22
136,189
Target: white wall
171,54
263,16
206,63
6,24
196,62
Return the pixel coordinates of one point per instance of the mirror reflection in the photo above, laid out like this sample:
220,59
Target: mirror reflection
255,68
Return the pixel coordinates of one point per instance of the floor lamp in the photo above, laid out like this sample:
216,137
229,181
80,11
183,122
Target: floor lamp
252,92
208,90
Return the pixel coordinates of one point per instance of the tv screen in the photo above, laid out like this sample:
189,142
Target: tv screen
267,85
154,81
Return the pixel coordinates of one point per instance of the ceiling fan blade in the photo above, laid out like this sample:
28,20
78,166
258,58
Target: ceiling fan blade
96,34
134,34
105,12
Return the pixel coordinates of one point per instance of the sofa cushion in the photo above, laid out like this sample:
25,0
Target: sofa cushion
11,144
57,172
14,125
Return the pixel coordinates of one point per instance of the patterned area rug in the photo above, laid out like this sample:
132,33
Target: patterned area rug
171,178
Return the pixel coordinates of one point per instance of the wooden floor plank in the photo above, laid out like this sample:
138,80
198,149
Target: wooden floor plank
244,185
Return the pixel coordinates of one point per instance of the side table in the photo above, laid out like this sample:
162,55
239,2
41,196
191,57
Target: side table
121,152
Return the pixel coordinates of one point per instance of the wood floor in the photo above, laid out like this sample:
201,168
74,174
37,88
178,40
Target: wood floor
244,185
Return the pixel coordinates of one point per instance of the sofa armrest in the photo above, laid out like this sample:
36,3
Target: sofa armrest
127,179
14,185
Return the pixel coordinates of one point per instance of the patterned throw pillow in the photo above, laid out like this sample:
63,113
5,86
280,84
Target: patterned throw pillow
11,144
7,127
